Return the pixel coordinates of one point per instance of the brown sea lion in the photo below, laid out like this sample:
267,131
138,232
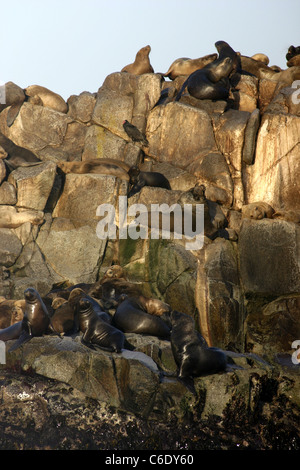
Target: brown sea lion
141,63
186,66
261,58
131,318
97,166
11,311
294,61
12,217
13,100
257,211
41,96
36,320
97,332
288,215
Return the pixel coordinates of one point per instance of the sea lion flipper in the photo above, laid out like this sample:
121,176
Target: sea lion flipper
24,338
12,114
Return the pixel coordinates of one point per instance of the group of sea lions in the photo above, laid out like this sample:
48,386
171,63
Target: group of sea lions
209,77
103,312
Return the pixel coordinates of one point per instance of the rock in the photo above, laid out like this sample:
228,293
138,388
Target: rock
8,194
33,185
83,193
2,171
10,247
269,254
274,176
179,133
36,128
264,326
81,107
84,250
14,95
229,131
218,295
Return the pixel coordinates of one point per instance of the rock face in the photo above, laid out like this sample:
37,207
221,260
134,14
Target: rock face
241,286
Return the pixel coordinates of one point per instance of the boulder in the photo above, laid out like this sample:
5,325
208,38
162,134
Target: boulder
8,194
269,256
33,185
179,133
81,107
274,176
10,247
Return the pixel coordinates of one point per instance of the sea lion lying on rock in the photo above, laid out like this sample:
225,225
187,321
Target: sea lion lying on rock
257,210
186,66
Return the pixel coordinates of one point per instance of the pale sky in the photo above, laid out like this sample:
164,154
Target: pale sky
70,46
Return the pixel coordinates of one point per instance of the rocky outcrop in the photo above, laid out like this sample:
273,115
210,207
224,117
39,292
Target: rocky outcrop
241,286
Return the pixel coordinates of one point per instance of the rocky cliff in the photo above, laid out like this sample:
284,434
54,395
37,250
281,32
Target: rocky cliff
242,287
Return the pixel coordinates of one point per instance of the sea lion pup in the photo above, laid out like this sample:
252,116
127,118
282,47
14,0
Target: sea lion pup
191,353
97,332
211,82
141,63
186,66
63,316
36,320
138,179
131,318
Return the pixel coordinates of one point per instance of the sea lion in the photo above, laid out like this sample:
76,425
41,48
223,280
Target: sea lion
104,166
261,58
288,215
97,332
63,317
257,210
134,133
11,311
11,332
294,61
191,353
292,52
131,318
186,66
260,70
138,179
141,63
36,320
12,217
211,82
41,96
225,50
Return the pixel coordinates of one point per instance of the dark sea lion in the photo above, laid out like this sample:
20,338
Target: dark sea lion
211,82
186,66
292,52
131,318
36,319
225,50
97,332
141,63
11,332
138,179
191,353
